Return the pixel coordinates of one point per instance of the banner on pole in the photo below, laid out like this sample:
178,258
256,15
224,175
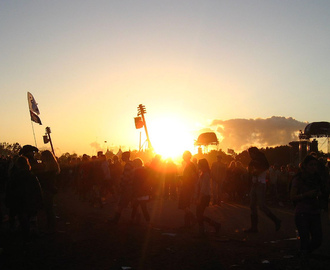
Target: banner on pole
35,118
33,105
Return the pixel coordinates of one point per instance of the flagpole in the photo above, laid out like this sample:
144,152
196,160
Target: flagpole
34,135
34,111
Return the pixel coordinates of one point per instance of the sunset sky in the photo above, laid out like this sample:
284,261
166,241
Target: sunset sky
253,71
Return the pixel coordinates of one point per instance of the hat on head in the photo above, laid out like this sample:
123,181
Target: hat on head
28,149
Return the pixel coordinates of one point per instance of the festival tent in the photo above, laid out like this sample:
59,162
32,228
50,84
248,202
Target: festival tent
207,138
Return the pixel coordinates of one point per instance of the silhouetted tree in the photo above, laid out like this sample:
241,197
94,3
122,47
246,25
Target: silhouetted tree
7,149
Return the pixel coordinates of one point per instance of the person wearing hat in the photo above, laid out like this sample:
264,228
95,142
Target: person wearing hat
29,152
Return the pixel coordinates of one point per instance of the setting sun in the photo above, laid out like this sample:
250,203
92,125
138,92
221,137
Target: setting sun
170,137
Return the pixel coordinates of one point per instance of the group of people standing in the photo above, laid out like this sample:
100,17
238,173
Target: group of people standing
196,187
309,192
135,188
93,178
229,182
30,188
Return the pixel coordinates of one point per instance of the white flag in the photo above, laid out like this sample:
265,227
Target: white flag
32,104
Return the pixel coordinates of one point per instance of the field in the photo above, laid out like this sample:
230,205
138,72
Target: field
85,240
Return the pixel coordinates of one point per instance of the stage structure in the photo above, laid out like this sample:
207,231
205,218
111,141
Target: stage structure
205,140
314,131
140,122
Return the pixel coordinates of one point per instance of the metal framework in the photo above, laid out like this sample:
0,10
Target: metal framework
140,122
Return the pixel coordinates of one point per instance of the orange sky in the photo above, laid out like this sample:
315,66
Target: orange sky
195,65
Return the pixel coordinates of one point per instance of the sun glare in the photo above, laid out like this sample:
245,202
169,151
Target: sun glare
170,137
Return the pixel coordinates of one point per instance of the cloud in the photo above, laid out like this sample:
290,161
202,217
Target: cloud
239,134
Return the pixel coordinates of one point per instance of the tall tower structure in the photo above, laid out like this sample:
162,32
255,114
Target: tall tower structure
141,112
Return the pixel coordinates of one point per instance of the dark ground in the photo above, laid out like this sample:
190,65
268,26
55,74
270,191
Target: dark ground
84,240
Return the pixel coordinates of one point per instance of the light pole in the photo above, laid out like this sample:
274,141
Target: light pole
47,138
141,111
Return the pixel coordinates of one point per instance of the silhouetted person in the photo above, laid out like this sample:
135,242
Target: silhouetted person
218,174
282,185
274,173
116,169
231,181
203,197
188,189
4,165
98,178
126,187
258,167
242,184
48,177
170,183
29,151
323,171
155,176
306,188
24,195
106,184
85,177
141,190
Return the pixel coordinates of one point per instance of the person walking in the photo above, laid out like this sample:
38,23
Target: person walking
257,169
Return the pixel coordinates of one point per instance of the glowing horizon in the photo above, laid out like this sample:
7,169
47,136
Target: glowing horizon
202,65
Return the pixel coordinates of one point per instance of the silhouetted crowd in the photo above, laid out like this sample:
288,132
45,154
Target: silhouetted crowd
30,181
28,186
